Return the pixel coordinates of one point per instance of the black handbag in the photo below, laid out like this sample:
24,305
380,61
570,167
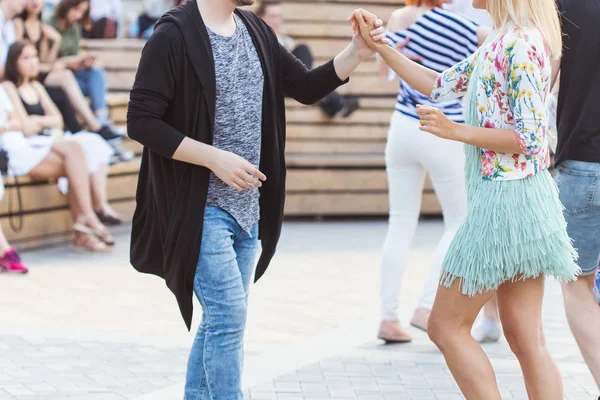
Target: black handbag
4,166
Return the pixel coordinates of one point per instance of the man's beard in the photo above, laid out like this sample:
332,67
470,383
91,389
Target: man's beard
243,3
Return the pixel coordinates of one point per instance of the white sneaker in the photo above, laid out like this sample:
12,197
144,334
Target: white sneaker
486,330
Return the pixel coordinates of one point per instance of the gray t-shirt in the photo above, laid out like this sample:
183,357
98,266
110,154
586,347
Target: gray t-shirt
238,118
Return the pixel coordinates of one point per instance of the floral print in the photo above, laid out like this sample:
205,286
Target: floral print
511,94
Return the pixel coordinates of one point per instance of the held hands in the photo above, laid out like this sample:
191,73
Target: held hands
376,33
435,122
368,27
235,171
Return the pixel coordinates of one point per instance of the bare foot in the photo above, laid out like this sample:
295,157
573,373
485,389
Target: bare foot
392,332
420,318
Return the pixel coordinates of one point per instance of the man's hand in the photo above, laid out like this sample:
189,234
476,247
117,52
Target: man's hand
235,171
377,34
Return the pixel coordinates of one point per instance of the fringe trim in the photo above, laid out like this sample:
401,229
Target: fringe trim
514,230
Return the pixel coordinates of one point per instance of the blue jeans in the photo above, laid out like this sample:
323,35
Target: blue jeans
93,84
221,284
579,185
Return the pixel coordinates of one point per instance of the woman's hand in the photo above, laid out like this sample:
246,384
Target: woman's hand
434,121
88,61
369,27
378,33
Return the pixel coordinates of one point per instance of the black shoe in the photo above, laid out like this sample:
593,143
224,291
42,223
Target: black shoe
350,105
108,134
121,154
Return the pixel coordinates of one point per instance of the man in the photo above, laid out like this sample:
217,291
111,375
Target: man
333,104
578,166
208,106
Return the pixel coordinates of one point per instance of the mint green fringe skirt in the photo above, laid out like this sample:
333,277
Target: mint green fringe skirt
514,230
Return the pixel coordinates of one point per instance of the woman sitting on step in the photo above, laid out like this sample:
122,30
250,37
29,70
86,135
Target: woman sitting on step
44,152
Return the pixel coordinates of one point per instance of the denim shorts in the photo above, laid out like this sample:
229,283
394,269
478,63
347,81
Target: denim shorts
579,185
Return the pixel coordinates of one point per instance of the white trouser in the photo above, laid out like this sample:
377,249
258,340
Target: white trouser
409,154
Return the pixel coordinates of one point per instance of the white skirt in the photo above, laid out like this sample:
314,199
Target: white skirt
27,152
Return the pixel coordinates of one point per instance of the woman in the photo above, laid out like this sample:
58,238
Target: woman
47,40
514,233
39,153
437,38
67,20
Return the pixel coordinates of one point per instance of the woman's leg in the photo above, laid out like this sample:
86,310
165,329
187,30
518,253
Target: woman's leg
99,180
520,306
67,159
449,328
405,180
96,89
67,82
59,97
98,186
4,245
448,178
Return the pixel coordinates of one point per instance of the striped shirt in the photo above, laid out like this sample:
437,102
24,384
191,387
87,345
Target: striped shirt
442,38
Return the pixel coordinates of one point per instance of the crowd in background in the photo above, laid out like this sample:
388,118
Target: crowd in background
54,129
49,130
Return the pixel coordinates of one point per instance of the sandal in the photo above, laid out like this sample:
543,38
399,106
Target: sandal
103,235
108,218
86,240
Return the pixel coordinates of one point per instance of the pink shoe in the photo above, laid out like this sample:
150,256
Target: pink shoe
11,263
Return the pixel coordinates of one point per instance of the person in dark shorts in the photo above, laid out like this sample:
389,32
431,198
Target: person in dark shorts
578,166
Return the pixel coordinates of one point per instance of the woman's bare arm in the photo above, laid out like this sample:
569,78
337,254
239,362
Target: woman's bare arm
19,28
27,125
419,77
398,21
52,41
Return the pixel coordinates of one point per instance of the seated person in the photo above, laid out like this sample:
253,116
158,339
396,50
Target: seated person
104,15
153,10
59,82
69,16
44,152
334,104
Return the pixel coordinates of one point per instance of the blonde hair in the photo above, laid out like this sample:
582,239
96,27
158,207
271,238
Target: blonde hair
541,14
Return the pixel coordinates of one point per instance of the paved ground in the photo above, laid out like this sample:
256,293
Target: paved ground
89,327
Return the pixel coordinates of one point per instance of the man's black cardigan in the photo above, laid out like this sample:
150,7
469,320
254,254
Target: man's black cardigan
173,97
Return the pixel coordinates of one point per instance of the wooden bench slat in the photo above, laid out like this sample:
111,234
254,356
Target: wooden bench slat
331,12
348,204
335,160
342,131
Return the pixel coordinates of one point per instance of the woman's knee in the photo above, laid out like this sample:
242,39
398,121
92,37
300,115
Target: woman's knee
63,77
441,330
96,72
68,148
523,342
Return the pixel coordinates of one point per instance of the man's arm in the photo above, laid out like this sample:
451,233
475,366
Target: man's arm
308,87
153,92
